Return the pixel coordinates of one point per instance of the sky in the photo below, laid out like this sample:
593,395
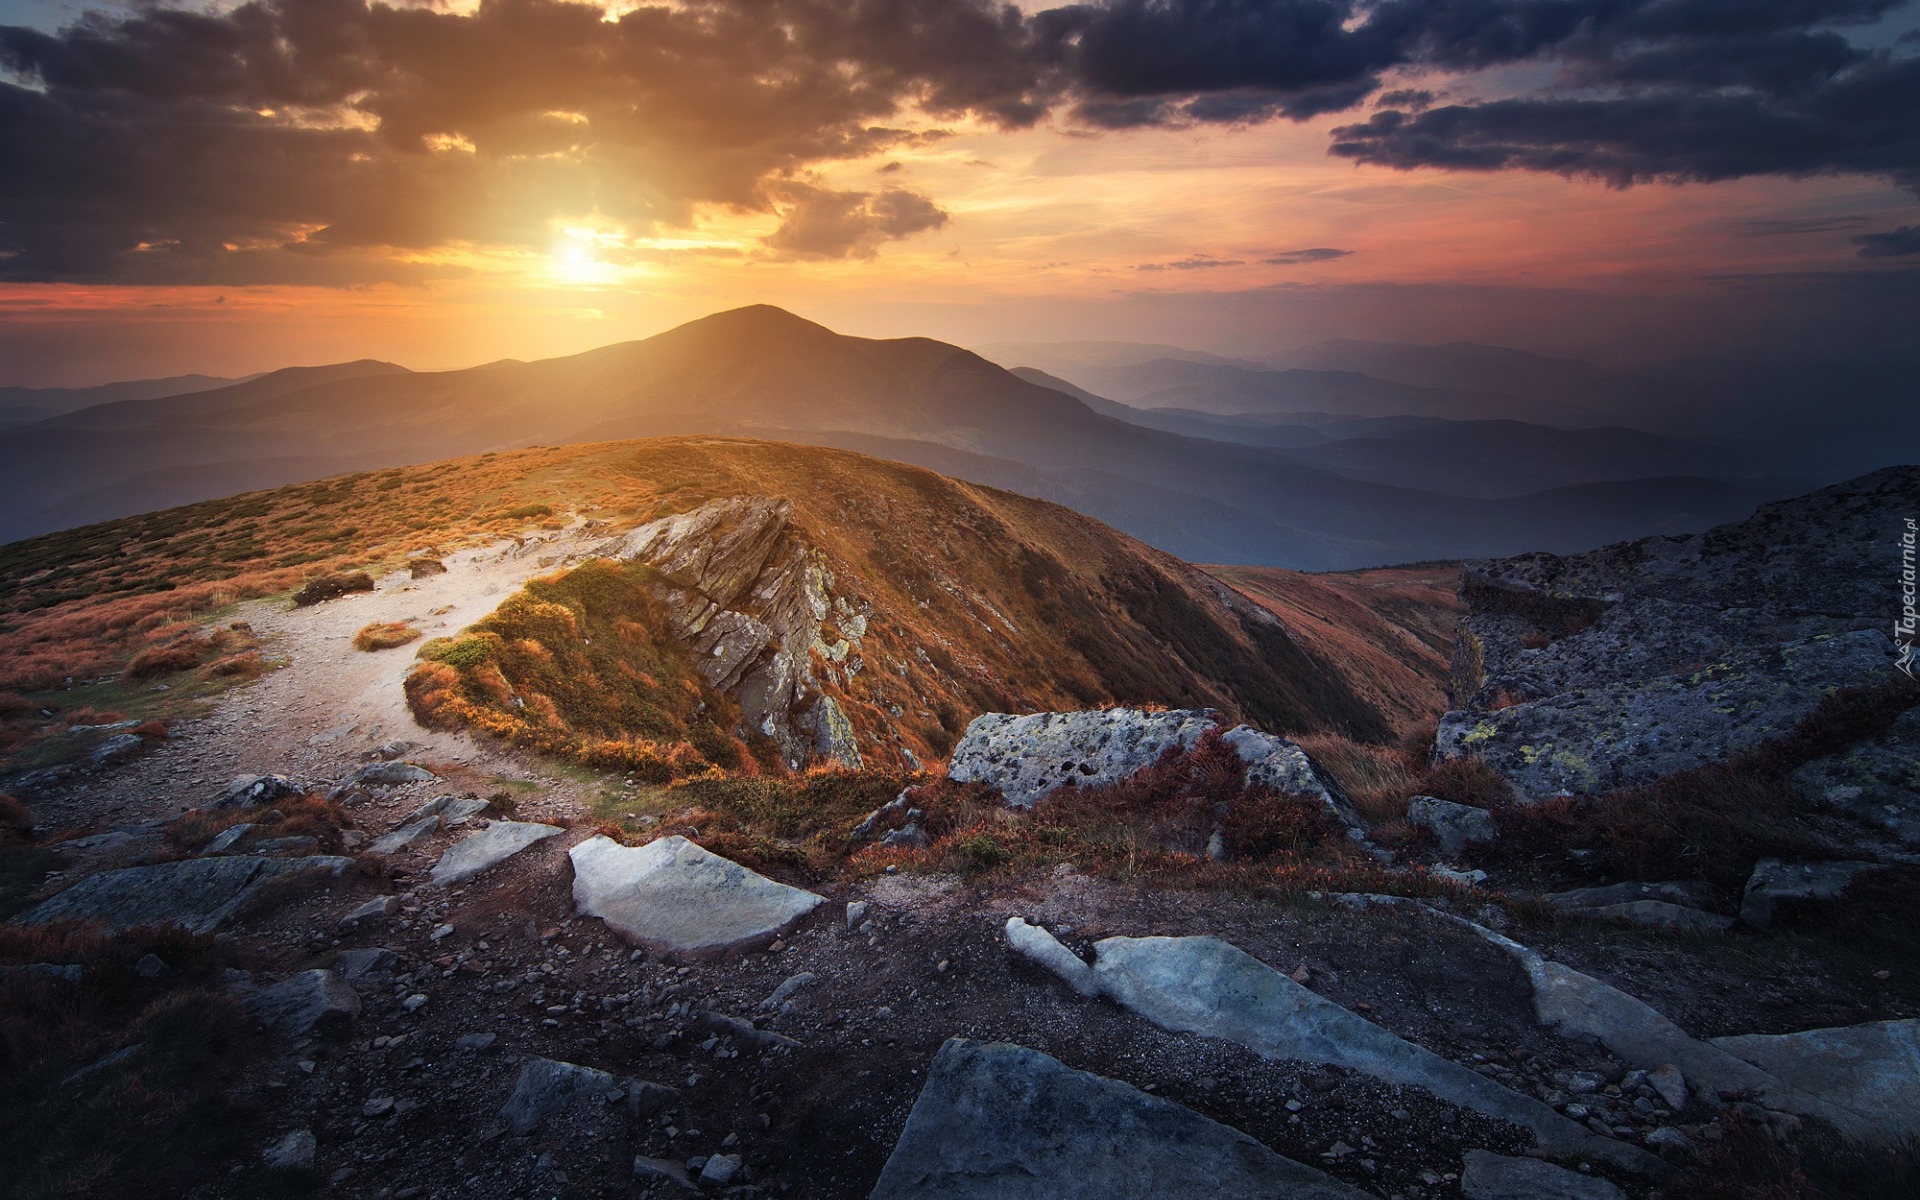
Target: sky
231,189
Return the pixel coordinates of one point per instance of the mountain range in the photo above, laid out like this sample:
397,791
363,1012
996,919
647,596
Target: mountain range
1355,496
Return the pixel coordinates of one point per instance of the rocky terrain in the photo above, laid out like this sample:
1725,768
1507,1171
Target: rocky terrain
1154,950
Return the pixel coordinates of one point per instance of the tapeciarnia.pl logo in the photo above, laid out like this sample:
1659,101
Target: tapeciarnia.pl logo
1903,629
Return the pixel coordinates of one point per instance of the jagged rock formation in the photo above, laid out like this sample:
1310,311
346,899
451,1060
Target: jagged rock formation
1583,673
750,598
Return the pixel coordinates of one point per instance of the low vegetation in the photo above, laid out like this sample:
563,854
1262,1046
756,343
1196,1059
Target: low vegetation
385,635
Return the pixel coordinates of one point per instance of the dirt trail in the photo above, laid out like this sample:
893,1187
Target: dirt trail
316,717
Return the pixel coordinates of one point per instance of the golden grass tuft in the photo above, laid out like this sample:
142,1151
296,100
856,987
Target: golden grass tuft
385,635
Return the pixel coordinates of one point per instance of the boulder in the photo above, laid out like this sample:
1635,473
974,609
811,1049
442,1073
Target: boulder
248,791
493,845
310,1002
63,973
198,894
672,896
369,960
399,839
1454,826
1774,882
1206,986
228,838
1028,757
116,749
1489,1176
996,1121
546,1087
1871,1072
372,910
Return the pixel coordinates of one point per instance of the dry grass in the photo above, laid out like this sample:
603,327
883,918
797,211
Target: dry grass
297,816
385,635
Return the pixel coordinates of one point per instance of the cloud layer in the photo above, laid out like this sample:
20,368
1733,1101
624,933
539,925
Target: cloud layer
337,141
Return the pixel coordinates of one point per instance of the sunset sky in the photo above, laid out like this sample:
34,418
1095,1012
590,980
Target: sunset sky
231,189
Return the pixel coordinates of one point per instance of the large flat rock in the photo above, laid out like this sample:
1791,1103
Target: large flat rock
1206,986
1001,1122
491,846
199,894
673,896
1870,1072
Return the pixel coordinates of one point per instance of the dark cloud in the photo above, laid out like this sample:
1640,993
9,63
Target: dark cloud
1293,258
819,223
1894,243
228,146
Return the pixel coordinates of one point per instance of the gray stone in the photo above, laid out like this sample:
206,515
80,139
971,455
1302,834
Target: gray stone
1496,1177
1657,914
996,1122
1870,1072
310,1002
661,1168
1580,1006
1774,881
908,837
745,1032
493,845
1036,944
1028,757
118,1057
1670,1084
399,839
199,894
644,1099
152,966
788,988
1876,781
720,1170
475,1042
1690,894
450,809
116,749
1206,986
833,737
227,838
546,1087
294,1152
673,896
1669,1141
1454,826
372,910
249,791
355,964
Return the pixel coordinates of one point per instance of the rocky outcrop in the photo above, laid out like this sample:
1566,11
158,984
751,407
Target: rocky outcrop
1871,1071
753,602
1029,757
1583,673
675,897
1454,826
310,1002
996,1120
1497,1177
1876,781
199,894
1775,883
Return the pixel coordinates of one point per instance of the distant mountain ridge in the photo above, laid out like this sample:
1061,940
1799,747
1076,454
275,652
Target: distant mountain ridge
763,372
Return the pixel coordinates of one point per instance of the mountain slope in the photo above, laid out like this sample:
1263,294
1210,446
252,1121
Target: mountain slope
969,599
